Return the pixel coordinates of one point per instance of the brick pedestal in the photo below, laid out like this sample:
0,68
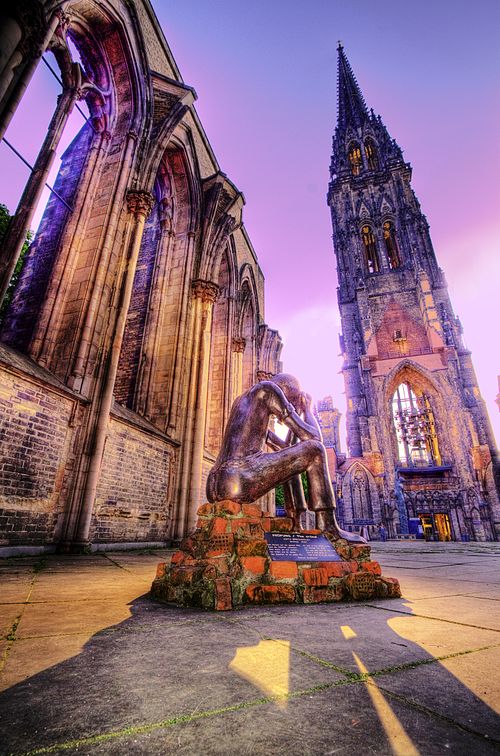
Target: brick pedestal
225,564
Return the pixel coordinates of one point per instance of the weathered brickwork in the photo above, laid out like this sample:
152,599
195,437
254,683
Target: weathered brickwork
134,496
117,307
415,416
34,438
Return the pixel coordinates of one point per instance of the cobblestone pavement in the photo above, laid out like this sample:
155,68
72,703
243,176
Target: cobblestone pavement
91,665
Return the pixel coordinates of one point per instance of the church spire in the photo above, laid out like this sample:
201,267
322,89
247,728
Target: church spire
352,110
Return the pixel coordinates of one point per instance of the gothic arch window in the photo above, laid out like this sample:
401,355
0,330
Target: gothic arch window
371,155
391,245
360,496
415,428
370,248
355,159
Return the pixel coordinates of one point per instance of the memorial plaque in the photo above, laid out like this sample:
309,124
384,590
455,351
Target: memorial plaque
300,547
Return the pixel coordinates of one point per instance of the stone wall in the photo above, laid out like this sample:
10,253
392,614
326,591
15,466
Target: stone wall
134,496
35,435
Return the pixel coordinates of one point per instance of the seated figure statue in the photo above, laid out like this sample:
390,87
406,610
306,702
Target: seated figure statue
244,471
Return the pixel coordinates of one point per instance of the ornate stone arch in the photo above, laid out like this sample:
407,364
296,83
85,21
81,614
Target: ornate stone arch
247,326
47,324
360,496
431,404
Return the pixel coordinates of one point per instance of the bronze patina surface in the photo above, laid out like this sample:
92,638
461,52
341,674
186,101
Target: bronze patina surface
244,471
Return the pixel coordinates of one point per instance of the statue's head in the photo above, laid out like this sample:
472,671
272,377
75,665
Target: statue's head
290,387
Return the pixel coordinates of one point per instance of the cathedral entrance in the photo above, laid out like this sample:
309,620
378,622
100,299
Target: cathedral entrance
436,527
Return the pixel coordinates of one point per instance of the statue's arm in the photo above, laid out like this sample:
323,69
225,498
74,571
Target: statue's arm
275,442
286,413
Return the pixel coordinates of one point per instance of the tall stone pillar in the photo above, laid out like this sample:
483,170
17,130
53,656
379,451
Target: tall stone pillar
204,293
23,59
139,205
20,223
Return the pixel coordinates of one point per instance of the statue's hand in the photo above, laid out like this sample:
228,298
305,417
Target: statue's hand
306,400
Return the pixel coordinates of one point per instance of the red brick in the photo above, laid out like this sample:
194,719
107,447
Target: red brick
251,510
388,587
227,507
315,531
360,551
283,570
206,509
223,598
161,568
373,567
316,576
338,569
314,595
183,575
281,524
218,526
252,547
220,563
246,527
254,564
270,594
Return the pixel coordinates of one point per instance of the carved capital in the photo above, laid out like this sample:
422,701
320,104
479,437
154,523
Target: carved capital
239,345
207,291
139,202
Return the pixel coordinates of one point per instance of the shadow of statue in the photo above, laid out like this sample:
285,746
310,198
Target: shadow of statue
137,678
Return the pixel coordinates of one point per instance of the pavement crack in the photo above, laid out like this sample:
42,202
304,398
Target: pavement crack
436,619
11,636
435,714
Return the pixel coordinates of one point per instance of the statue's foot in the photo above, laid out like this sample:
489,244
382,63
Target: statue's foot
327,522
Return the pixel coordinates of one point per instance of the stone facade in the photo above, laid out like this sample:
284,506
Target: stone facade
139,313
421,452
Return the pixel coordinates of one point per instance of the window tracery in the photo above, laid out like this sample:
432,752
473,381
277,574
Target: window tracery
391,245
371,155
355,159
415,428
370,247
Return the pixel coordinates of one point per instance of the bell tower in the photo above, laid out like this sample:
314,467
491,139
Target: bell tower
416,422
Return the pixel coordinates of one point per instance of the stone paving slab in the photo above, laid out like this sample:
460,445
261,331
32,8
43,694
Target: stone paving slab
461,688
339,720
144,670
94,659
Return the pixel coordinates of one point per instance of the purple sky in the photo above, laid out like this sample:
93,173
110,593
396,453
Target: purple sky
265,74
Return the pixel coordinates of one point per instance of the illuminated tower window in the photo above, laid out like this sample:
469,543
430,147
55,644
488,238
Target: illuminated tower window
355,159
371,155
391,245
415,428
370,247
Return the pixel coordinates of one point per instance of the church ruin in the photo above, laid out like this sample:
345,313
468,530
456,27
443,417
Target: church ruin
139,313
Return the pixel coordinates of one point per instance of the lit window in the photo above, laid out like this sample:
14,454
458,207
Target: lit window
371,155
415,428
355,159
370,246
391,245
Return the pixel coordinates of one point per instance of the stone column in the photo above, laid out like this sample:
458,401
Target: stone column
24,59
79,378
204,293
139,205
157,297
238,349
20,223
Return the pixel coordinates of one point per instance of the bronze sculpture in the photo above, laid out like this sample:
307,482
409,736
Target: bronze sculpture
244,471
